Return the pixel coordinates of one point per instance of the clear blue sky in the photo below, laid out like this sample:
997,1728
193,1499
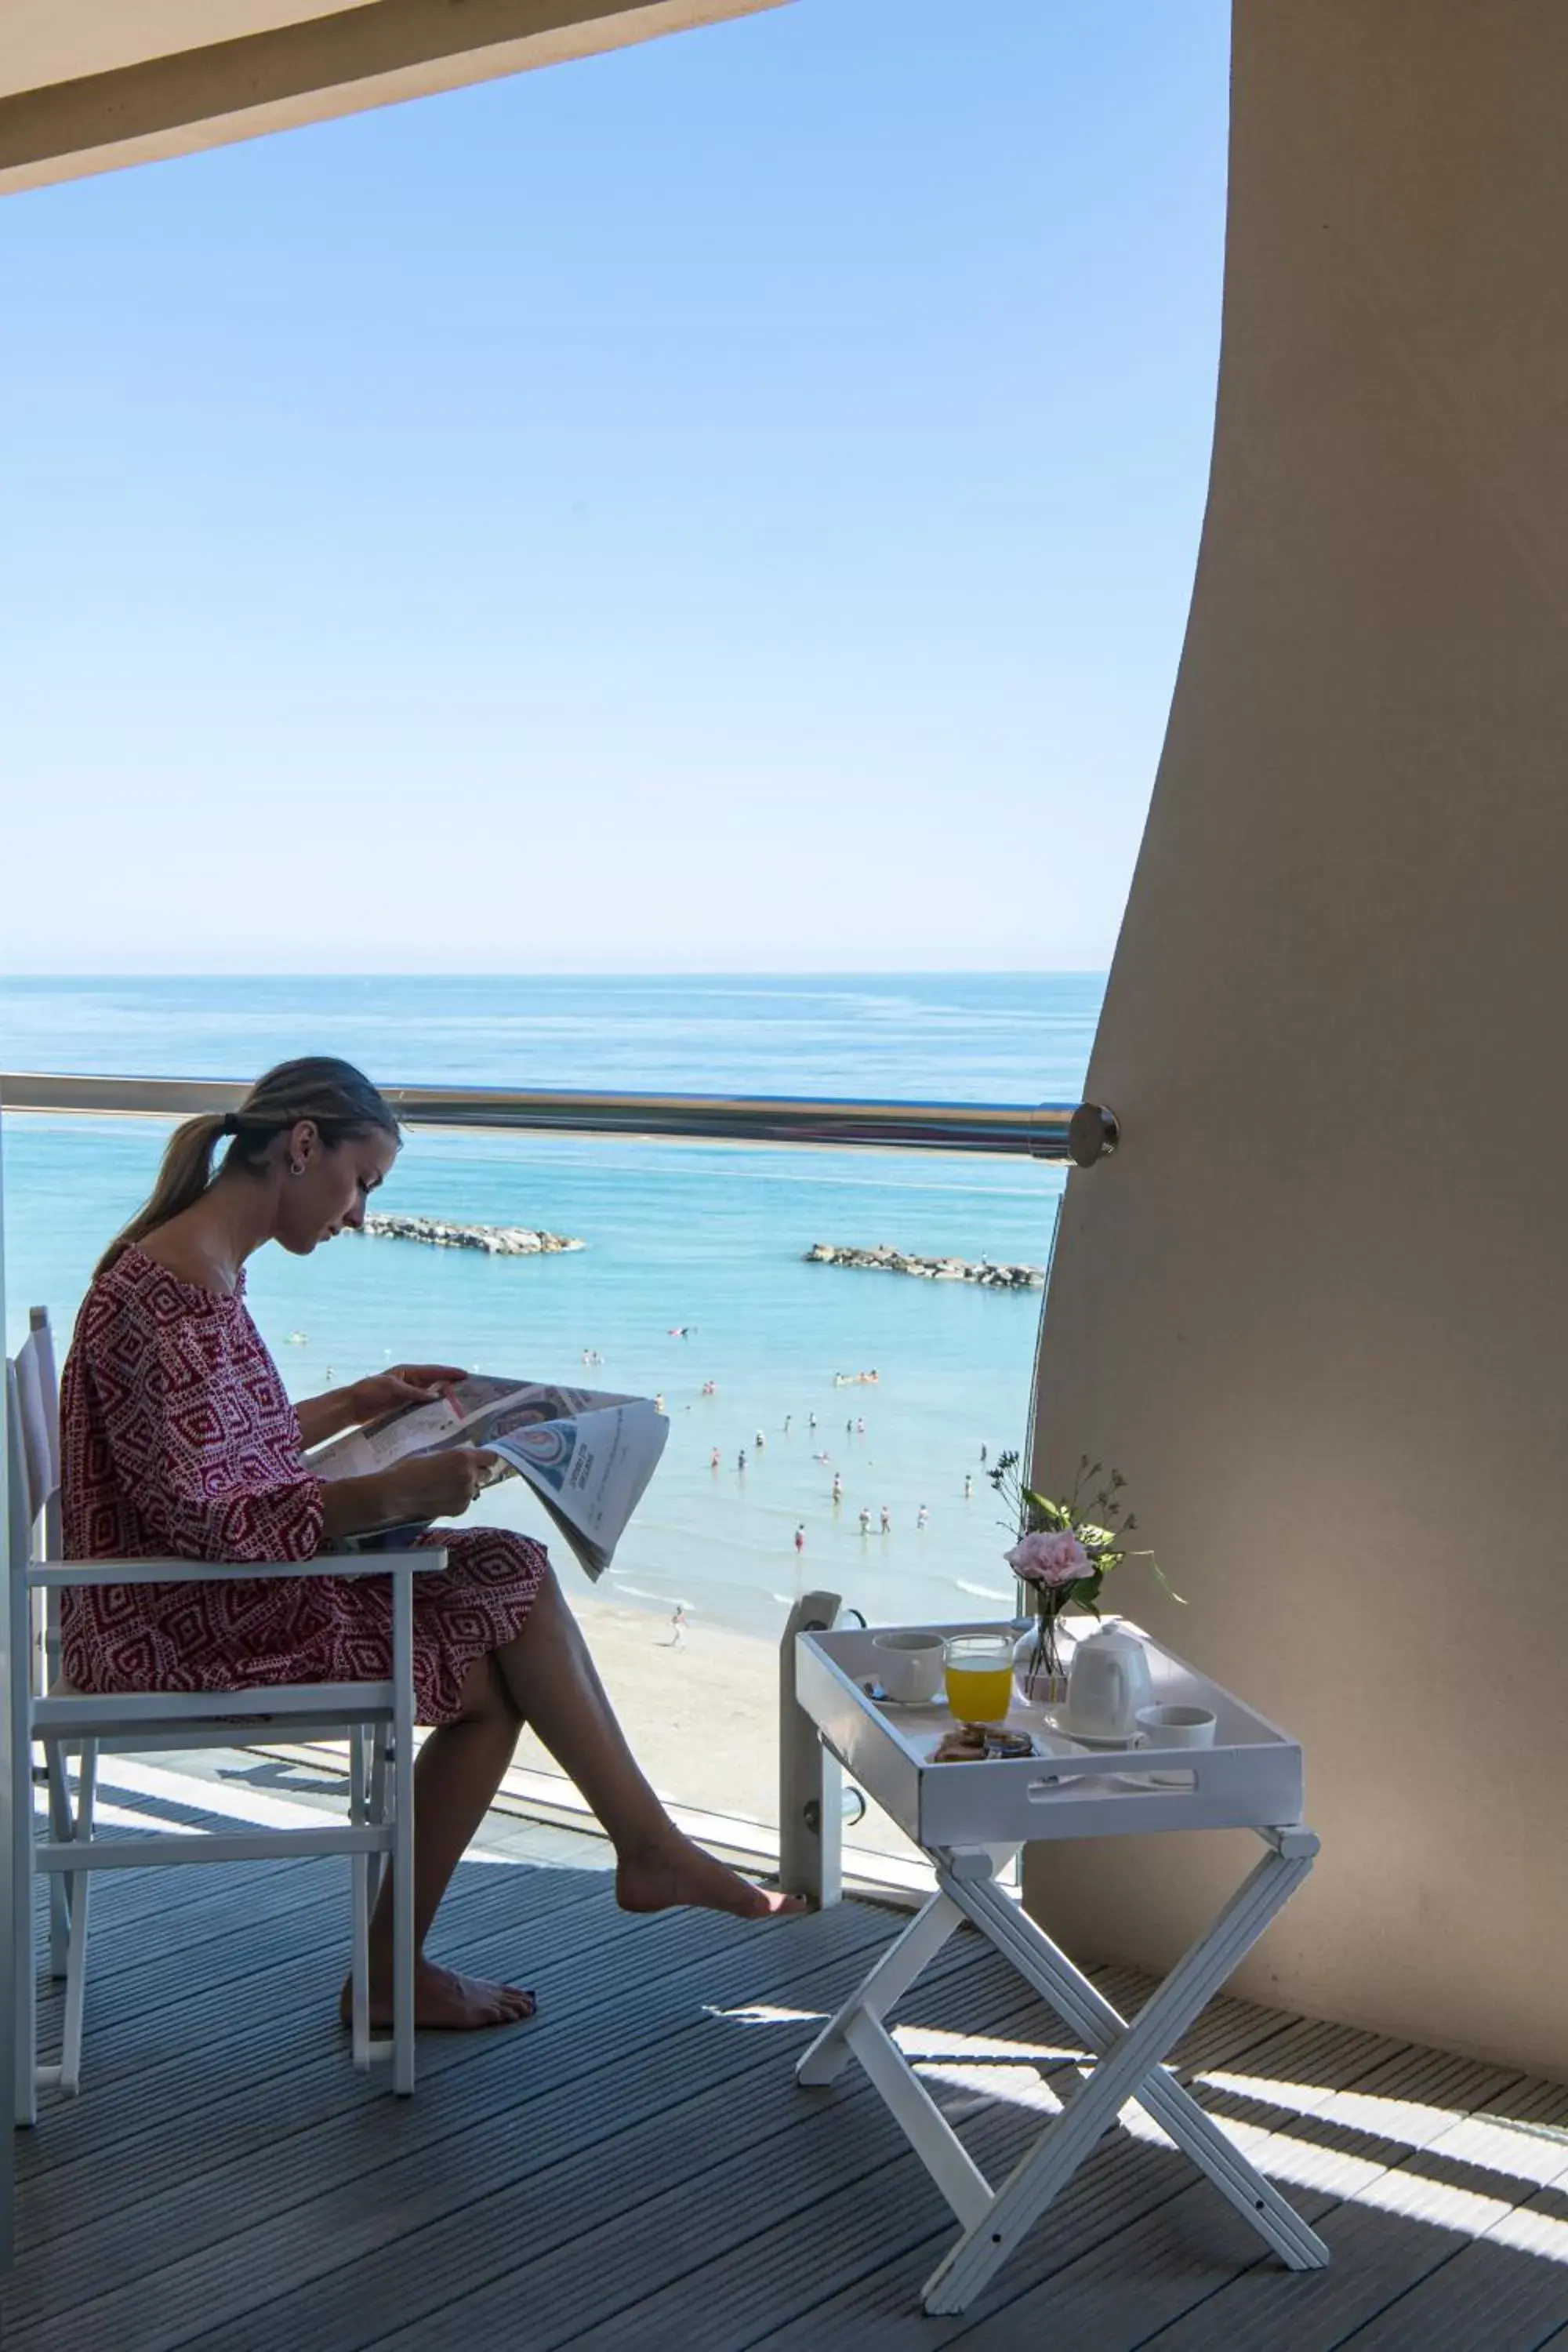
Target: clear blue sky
727,505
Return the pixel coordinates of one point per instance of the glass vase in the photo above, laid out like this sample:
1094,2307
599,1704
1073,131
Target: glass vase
1040,1660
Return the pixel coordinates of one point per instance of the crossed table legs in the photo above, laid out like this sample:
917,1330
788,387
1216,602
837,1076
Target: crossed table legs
1128,2056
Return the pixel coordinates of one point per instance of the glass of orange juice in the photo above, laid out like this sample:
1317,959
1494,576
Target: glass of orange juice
979,1676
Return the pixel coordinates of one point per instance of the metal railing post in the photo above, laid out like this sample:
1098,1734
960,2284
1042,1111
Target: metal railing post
811,1818
10,1829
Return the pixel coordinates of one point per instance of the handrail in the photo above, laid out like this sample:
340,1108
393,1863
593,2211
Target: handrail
1085,1134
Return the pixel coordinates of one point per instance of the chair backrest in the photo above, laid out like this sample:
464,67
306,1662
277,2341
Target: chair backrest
37,1473
32,1497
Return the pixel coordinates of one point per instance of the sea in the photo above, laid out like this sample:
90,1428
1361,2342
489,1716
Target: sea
692,1269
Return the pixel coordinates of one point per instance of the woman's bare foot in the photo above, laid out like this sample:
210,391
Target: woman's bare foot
446,2002
674,1871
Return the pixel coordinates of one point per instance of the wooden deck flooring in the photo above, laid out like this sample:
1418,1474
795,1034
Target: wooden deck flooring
635,2170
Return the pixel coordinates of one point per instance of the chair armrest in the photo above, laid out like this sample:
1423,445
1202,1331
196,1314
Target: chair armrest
53,1575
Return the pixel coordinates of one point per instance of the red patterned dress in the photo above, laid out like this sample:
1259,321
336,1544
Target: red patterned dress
178,1442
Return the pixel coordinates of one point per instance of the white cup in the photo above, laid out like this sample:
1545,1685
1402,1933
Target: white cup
1175,1727
910,1666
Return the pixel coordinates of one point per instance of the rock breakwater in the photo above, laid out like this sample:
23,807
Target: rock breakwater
886,1260
497,1241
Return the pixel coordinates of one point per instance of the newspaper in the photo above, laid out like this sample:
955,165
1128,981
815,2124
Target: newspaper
587,1454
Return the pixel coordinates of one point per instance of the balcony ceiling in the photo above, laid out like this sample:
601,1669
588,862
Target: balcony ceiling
66,40
93,85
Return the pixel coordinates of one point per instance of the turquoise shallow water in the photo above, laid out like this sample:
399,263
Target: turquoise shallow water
705,1237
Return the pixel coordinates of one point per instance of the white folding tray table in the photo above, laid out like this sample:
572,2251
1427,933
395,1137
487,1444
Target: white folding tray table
970,1819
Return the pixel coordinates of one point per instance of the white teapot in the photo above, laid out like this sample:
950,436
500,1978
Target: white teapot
1108,1681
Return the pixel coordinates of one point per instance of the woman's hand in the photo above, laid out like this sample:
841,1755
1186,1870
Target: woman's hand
380,1392
436,1485
425,1487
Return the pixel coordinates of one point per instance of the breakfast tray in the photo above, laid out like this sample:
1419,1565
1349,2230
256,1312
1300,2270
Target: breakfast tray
1250,1778
968,1817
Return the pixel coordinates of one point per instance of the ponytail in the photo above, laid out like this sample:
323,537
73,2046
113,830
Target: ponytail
183,1177
337,1098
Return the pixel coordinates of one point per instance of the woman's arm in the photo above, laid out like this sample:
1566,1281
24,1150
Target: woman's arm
426,1486
327,1415
335,1410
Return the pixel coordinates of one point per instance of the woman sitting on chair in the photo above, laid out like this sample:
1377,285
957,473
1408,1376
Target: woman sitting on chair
179,1441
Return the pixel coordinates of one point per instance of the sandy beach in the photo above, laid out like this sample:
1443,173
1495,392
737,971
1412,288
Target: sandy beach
702,1716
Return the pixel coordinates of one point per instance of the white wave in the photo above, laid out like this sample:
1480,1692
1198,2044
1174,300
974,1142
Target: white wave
981,1592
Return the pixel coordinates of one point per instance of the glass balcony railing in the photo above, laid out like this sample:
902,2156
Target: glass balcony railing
864,1403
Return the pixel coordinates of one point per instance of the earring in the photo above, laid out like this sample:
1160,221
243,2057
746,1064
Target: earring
296,1168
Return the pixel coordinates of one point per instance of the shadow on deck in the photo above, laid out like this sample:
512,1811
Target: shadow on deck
636,2169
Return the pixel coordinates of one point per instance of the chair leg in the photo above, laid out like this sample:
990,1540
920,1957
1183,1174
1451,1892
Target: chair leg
379,1748
86,1800
86,1786
403,1925
359,1869
76,1986
403,1944
23,1958
62,1829
81,1882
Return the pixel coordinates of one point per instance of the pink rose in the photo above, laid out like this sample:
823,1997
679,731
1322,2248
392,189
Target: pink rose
1050,1560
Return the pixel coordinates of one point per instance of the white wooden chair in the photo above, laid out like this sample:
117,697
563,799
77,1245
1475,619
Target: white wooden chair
376,1717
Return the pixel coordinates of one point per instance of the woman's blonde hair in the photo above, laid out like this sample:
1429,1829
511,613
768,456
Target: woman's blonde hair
337,1097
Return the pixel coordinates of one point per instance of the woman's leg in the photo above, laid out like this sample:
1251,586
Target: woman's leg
553,1684
459,1771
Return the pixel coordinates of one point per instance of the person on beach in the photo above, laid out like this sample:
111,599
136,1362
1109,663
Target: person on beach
887,1521
865,1520
713,1459
787,1419
677,1628
922,1516
859,1429
800,1536
760,1441
968,1487
838,1486
741,1461
179,1441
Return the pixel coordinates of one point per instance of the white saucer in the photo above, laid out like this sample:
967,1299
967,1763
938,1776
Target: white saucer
880,1698
1098,1739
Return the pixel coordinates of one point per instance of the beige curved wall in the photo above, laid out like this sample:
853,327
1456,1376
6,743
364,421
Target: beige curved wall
1317,1308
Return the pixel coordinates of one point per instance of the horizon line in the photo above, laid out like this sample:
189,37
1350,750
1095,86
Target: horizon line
659,972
